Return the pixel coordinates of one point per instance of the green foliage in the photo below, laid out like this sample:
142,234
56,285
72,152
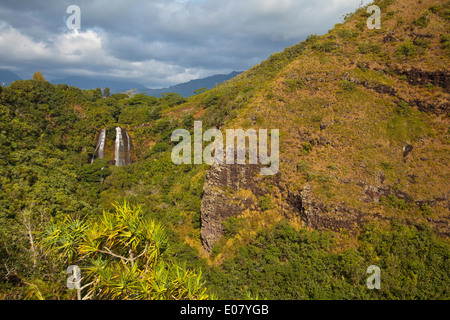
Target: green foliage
141,100
119,96
306,147
365,48
326,46
265,203
201,90
425,209
96,171
121,256
47,138
383,4
386,165
347,33
172,99
445,41
422,21
403,109
333,166
435,8
106,92
38,76
406,50
347,85
282,263
160,147
188,121
231,226
394,202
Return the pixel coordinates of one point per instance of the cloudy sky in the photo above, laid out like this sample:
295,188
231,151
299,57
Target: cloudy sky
157,43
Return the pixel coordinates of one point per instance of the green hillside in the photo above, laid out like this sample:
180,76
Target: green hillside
364,165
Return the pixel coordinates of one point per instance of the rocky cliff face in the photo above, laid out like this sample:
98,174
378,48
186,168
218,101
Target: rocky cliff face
220,200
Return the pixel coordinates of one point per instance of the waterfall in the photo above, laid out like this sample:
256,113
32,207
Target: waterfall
99,151
101,140
128,148
119,148
123,148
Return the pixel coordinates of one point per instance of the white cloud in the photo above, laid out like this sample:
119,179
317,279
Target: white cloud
20,47
158,42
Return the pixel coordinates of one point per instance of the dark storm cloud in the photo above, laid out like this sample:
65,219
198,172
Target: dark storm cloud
158,42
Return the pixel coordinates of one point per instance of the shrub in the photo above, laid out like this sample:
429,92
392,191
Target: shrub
365,48
425,209
96,171
159,147
231,226
347,85
403,109
121,254
327,46
422,22
347,33
445,14
306,148
362,25
435,8
445,40
407,49
386,165
394,202
420,42
265,203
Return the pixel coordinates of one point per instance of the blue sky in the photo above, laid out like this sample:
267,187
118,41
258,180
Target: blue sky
159,42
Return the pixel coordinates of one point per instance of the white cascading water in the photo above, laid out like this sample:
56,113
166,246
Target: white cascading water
128,148
99,151
101,144
118,147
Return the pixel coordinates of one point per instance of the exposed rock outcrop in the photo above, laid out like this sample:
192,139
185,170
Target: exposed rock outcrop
220,200
317,215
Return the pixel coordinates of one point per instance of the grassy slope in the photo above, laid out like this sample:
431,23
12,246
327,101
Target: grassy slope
366,131
340,134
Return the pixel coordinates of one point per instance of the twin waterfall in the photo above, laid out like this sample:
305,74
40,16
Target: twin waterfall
122,147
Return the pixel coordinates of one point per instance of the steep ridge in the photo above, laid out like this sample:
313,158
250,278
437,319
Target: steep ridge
363,119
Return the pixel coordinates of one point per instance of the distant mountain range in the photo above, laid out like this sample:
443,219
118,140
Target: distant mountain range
116,86
187,89
7,77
